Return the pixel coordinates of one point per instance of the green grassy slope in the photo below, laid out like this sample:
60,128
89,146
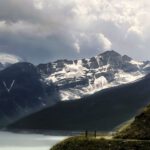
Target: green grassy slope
139,128
81,143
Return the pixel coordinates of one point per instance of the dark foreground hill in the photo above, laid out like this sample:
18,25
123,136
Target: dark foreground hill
135,137
82,143
139,129
102,111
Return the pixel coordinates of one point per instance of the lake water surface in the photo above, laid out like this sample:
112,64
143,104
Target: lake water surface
26,141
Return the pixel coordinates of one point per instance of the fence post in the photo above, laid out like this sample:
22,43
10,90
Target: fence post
95,133
86,133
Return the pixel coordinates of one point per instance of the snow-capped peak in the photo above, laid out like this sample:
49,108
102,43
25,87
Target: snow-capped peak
9,59
77,78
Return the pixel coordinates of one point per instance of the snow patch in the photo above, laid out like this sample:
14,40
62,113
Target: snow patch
147,66
70,94
137,63
69,71
121,77
100,82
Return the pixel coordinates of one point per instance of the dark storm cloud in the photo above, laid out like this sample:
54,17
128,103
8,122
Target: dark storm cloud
44,30
16,10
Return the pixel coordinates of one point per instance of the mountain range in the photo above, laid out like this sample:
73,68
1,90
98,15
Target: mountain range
78,78
26,88
102,111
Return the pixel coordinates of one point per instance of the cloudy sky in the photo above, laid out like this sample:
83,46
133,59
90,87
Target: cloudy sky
46,30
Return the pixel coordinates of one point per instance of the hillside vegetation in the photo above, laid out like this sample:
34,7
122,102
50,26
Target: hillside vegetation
81,143
139,128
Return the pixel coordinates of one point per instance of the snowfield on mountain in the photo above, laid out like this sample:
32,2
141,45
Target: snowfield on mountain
78,78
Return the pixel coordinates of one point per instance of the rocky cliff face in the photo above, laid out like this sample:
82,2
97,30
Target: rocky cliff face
77,78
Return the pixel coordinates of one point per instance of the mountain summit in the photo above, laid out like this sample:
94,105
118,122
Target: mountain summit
25,88
77,78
